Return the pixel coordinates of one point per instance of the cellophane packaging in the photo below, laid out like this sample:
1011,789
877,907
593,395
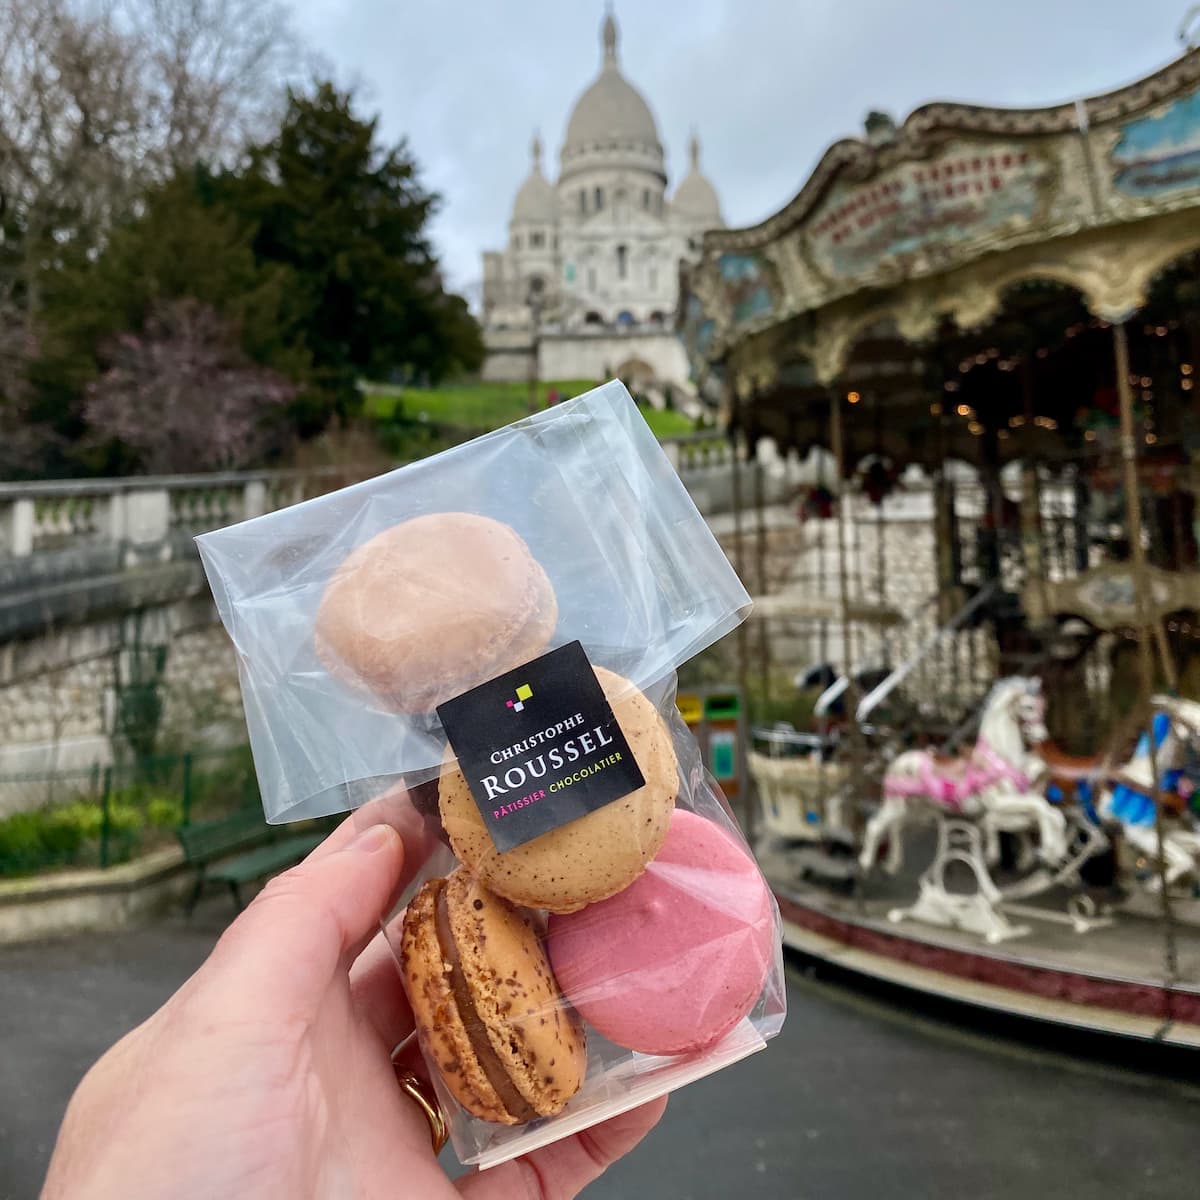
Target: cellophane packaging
382,671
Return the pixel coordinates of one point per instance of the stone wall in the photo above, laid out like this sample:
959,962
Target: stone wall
57,693
604,356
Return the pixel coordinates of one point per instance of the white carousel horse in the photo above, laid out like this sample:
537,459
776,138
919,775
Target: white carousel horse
996,783
1131,803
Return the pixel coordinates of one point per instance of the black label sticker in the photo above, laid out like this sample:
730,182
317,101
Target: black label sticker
539,746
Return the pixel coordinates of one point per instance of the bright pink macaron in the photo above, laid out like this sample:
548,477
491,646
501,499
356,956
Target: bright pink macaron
671,964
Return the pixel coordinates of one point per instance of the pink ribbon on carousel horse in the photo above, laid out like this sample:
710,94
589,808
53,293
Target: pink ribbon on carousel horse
984,768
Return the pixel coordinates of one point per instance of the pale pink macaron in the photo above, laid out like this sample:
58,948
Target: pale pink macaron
671,964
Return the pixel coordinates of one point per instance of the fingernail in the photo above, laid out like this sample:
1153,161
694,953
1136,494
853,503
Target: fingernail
372,839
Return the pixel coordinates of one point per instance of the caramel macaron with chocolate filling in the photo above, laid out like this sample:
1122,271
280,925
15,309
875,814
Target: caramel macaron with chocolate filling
488,1010
433,606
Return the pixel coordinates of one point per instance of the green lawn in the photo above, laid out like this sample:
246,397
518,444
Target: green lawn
479,407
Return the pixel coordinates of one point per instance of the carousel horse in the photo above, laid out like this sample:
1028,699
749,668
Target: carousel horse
996,784
1175,728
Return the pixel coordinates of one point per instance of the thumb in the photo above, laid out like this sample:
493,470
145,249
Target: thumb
311,922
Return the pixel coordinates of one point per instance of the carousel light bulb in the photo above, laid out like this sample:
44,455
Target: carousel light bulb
1185,369
853,397
975,428
1146,381
951,385
963,410
1089,435
1186,384
1161,331
935,409
1151,439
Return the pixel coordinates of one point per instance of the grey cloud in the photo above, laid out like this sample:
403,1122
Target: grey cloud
768,83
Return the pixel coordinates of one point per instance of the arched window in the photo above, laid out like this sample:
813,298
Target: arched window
537,240
593,318
625,317
599,199
583,200
646,199
622,262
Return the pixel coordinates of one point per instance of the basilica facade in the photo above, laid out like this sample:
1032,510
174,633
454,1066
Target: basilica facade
589,281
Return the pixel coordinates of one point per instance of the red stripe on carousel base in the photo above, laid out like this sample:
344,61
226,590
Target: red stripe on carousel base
1142,999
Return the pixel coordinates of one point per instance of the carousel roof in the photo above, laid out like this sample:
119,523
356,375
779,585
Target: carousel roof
936,219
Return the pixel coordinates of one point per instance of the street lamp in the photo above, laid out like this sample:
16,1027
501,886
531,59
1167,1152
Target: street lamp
535,301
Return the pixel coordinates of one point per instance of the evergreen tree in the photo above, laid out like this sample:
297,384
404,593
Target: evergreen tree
347,217
179,247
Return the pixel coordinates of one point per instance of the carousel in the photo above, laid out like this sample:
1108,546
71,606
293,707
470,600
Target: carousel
974,340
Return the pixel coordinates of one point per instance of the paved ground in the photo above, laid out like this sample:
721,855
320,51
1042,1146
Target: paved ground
855,1099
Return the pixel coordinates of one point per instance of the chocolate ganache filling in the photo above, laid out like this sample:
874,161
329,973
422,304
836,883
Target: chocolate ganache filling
489,1060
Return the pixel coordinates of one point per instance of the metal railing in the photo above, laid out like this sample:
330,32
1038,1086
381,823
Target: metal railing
98,816
941,636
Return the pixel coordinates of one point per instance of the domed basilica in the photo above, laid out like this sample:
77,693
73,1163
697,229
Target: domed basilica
589,280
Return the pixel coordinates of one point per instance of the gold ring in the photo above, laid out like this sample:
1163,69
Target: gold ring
417,1090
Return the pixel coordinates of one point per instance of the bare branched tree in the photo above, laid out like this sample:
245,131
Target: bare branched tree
215,72
99,98
72,129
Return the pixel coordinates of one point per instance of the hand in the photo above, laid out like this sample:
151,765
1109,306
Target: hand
268,1074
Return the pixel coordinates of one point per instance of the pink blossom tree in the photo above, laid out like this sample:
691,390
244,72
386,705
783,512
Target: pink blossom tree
183,396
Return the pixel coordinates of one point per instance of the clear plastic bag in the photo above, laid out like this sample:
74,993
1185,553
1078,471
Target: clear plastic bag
364,620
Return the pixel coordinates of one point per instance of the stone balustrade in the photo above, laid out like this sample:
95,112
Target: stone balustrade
141,514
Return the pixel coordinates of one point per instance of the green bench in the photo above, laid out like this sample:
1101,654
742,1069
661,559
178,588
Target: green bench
239,849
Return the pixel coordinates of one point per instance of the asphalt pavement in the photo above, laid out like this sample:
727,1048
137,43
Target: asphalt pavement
855,1099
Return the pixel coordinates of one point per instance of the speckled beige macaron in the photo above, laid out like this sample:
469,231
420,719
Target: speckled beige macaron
590,858
489,1013
433,606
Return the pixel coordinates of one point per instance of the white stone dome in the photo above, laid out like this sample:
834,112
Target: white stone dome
612,109
696,198
536,200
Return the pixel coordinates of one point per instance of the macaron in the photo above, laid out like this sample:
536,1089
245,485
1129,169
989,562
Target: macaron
593,856
488,1012
671,964
433,606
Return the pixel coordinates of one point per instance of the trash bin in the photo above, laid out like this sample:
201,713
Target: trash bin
716,719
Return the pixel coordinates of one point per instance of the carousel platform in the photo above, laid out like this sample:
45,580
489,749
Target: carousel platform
1109,980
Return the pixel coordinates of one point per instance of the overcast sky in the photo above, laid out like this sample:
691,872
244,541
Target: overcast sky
768,83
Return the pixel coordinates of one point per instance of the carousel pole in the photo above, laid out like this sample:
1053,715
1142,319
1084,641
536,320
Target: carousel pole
1141,583
739,562
760,569
885,640
837,445
1031,497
